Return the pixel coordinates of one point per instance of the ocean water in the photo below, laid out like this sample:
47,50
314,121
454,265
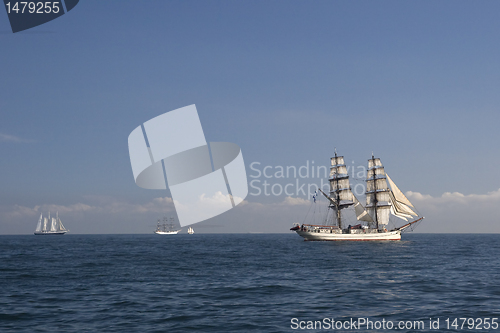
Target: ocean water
244,283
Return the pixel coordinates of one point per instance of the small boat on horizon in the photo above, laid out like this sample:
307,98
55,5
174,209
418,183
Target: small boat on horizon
190,230
383,198
50,226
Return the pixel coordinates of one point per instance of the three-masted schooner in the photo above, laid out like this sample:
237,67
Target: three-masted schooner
50,226
383,198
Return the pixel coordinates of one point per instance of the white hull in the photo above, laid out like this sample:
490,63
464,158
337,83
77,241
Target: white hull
322,235
50,232
167,232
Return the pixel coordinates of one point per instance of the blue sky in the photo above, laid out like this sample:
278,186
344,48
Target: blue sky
416,82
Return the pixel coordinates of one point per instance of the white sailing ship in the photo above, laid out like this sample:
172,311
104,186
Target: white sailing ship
383,198
190,231
50,226
166,228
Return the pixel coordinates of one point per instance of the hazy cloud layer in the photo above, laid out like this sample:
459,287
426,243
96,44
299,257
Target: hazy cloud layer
94,215
449,213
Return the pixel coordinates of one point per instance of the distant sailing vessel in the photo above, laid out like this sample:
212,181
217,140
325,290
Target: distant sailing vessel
190,231
166,228
381,201
50,226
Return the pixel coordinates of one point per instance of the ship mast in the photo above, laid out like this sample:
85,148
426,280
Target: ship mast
340,189
377,193
375,200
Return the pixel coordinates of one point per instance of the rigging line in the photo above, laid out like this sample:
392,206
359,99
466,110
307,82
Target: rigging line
307,213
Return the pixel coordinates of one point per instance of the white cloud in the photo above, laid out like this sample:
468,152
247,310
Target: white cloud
455,212
455,197
11,138
289,201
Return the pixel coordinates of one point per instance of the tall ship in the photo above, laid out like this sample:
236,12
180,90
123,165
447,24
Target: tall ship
166,228
50,226
190,230
383,200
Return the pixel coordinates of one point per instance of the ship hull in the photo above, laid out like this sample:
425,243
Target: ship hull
51,233
167,232
326,236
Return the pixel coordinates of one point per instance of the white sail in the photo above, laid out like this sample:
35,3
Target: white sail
381,196
53,224
61,226
374,162
361,213
371,173
400,208
50,226
401,216
383,212
338,170
338,160
403,209
377,192
376,184
340,188
346,195
397,193
339,184
39,224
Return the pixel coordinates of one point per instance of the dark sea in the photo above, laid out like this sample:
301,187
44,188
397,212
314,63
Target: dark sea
248,283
